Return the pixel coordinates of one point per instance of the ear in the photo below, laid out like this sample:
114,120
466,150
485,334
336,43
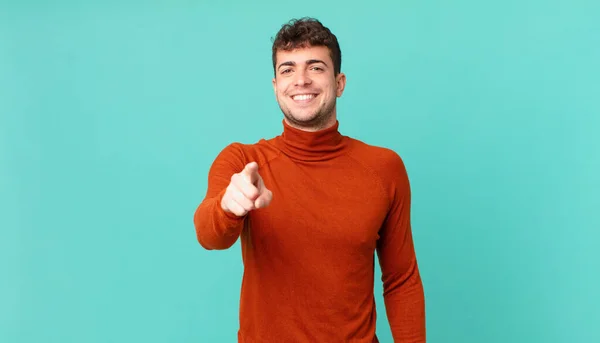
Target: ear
340,84
274,85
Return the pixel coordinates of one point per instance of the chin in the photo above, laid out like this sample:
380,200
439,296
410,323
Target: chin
306,118
312,121
301,116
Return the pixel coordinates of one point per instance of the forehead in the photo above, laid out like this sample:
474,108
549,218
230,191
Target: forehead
304,54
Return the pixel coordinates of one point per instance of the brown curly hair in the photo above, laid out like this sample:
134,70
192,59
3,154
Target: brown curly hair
303,32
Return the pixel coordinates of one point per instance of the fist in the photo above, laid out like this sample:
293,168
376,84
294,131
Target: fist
246,192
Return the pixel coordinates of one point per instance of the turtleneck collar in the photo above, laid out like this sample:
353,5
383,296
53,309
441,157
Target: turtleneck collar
311,145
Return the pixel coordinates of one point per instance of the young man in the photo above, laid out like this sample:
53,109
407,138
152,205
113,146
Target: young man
312,208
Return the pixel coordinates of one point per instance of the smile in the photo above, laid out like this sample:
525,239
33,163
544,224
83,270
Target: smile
303,97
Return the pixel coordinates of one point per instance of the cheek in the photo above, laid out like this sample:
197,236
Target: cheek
282,90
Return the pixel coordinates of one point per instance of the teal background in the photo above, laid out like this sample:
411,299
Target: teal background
112,112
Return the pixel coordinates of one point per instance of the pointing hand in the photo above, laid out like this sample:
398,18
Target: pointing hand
246,192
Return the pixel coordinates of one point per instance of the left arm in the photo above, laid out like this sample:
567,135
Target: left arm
402,286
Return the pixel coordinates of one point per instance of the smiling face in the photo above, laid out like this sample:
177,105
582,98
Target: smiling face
306,87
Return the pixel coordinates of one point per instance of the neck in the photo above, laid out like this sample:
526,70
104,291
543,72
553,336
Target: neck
311,144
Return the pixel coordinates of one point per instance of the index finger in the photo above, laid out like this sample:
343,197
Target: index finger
250,172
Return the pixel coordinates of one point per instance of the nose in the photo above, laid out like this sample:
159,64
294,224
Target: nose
302,78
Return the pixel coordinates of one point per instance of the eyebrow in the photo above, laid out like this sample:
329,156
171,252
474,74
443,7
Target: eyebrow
309,62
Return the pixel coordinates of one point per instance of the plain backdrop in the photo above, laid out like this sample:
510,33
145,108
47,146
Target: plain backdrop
111,113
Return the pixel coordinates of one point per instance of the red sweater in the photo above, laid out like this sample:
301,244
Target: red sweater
309,256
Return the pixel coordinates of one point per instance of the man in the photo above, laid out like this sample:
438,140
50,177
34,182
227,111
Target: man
311,208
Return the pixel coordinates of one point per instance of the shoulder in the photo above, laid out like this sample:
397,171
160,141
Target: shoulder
385,161
385,164
240,154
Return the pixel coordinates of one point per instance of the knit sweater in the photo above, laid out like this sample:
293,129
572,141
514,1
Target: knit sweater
309,257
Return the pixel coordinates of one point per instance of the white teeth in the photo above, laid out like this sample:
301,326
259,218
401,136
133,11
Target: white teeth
303,96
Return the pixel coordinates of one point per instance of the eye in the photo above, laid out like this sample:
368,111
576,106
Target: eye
285,71
317,68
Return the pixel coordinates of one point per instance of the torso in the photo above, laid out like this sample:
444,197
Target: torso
311,251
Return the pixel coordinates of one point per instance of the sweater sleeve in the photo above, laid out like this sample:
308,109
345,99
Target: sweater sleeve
402,287
215,228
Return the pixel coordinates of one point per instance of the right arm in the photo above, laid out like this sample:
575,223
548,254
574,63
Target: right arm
215,227
234,188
